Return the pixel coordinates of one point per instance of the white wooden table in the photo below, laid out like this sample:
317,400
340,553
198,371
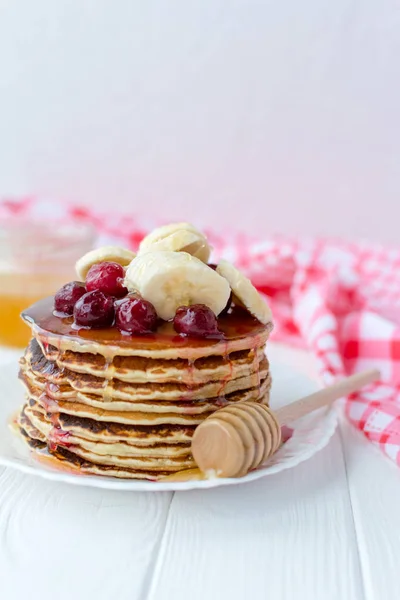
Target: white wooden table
326,530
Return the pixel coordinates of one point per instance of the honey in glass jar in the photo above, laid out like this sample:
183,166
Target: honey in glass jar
36,259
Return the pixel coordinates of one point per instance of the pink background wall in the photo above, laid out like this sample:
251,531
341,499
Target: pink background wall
269,116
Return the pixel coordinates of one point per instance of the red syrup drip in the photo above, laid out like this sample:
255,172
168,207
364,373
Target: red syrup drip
221,401
190,385
57,437
52,388
287,433
50,405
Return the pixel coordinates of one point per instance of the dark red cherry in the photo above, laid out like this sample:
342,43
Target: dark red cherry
108,277
135,315
95,310
196,321
67,296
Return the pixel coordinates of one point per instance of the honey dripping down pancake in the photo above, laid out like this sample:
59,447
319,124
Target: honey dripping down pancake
123,367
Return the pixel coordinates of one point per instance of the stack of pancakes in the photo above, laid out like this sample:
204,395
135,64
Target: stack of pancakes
130,410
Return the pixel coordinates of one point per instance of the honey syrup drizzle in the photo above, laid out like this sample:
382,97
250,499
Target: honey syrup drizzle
235,326
228,377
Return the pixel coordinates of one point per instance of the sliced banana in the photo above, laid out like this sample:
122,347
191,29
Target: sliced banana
172,279
177,237
122,256
244,292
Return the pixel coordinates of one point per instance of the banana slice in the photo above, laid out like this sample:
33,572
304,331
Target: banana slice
122,256
244,292
172,279
177,237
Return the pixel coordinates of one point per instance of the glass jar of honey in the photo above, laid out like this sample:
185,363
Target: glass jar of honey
36,259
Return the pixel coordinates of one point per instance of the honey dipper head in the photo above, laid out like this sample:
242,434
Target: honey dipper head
236,439
218,448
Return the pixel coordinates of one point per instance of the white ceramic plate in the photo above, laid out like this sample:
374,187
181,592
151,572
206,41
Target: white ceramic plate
310,435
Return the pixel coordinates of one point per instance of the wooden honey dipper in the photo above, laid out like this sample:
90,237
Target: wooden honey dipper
240,437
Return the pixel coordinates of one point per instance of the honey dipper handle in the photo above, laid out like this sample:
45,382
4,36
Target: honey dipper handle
326,396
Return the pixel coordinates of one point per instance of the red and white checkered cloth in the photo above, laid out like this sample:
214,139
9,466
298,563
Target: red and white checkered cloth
341,300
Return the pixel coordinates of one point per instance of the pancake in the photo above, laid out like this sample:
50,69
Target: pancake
153,460
132,417
137,369
106,431
36,386
45,430
64,460
52,393
84,368
67,383
78,464
103,403
196,407
29,428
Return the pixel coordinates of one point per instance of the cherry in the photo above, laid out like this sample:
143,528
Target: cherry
197,321
108,277
94,309
67,296
135,315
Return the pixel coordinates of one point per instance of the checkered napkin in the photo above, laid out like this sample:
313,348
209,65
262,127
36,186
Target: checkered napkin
340,300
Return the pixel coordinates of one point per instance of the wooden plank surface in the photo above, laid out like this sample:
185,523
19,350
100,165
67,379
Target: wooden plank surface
64,542
287,536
